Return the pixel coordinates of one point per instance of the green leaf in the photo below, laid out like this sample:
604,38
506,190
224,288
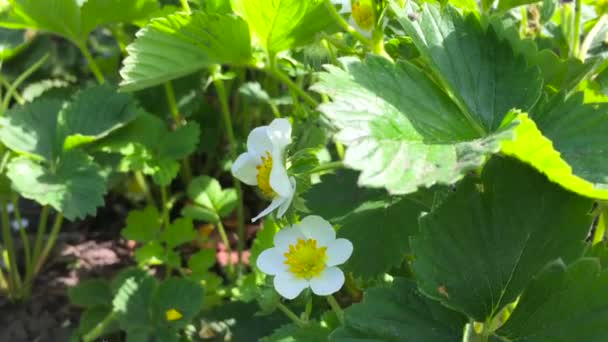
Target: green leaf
202,261
578,133
74,187
180,143
293,333
102,12
284,24
322,199
207,193
387,242
181,44
90,293
179,294
497,233
142,225
562,304
402,131
199,213
152,253
57,16
399,313
149,147
532,147
179,232
133,300
505,5
477,67
32,129
70,20
93,114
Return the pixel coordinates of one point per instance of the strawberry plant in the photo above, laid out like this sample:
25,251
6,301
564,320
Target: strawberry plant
355,170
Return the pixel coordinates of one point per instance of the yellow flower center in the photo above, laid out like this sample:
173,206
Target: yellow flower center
305,259
264,176
363,13
173,315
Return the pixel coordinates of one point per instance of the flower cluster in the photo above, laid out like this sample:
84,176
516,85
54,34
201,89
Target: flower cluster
306,254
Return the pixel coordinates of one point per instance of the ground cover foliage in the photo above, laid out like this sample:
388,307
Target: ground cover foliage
355,170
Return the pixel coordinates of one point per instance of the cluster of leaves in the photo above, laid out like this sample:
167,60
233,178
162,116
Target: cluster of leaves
475,142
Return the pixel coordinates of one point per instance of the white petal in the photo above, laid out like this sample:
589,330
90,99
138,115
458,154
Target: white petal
338,252
287,236
270,262
346,6
279,132
258,141
288,286
279,180
283,207
244,168
328,282
317,228
273,205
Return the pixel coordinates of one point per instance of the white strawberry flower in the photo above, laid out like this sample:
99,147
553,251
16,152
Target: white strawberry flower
263,165
306,255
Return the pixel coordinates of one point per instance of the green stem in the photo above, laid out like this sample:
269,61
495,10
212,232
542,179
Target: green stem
92,65
327,167
7,237
336,307
297,320
576,39
186,6
24,76
100,328
24,238
233,144
3,283
141,181
345,25
582,55
224,237
16,94
165,211
42,223
50,243
177,119
172,103
292,86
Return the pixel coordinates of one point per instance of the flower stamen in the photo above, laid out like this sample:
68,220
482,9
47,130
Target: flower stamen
305,259
263,176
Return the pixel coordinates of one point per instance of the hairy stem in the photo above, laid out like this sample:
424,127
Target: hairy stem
7,237
186,6
582,55
576,39
333,303
291,315
24,238
100,328
345,25
92,64
50,243
279,75
233,145
226,242
24,76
